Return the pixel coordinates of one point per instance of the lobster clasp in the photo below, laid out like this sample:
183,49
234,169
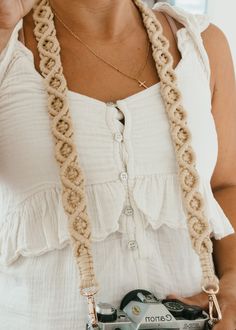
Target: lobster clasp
214,307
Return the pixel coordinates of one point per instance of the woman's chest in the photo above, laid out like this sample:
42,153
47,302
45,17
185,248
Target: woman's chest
140,146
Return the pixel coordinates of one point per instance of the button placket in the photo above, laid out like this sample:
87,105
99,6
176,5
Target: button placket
118,136
131,236
128,211
117,128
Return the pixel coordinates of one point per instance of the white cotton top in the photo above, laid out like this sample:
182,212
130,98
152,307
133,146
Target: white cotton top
139,230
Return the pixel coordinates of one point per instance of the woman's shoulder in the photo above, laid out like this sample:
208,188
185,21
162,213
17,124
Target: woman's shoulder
195,22
217,48
213,37
203,31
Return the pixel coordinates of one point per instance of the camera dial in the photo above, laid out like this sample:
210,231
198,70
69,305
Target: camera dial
106,312
174,306
179,309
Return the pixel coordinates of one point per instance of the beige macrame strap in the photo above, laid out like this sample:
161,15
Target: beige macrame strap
189,179
72,179
198,224
73,185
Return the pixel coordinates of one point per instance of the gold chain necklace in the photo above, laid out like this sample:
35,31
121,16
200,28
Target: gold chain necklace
137,79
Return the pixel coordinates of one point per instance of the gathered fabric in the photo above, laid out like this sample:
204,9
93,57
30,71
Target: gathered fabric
41,215
139,231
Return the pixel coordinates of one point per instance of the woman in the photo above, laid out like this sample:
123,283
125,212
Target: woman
139,232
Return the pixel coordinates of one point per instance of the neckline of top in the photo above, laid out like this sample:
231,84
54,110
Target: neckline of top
143,93
153,88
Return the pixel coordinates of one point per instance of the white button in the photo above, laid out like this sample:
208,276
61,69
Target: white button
128,210
124,176
132,245
118,137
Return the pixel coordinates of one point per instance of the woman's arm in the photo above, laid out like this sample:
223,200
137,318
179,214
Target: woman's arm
224,111
223,87
224,176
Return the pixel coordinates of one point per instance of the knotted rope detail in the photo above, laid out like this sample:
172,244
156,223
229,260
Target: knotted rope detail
72,179
181,137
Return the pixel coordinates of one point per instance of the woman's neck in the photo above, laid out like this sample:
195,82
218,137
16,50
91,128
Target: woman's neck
99,19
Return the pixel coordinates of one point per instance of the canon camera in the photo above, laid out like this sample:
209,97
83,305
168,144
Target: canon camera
140,309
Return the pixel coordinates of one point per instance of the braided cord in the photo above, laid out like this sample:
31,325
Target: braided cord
74,199
198,224
73,192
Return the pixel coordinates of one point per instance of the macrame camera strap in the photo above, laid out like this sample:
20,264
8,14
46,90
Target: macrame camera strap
72,179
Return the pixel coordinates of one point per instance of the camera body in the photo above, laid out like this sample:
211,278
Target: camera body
140,309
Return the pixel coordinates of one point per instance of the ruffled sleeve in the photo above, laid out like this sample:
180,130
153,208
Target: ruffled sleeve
201,22
7,54
194,25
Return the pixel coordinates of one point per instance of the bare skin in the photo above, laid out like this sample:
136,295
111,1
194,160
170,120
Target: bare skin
114,29
122,35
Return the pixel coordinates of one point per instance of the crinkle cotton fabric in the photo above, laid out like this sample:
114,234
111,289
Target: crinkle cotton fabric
139,231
